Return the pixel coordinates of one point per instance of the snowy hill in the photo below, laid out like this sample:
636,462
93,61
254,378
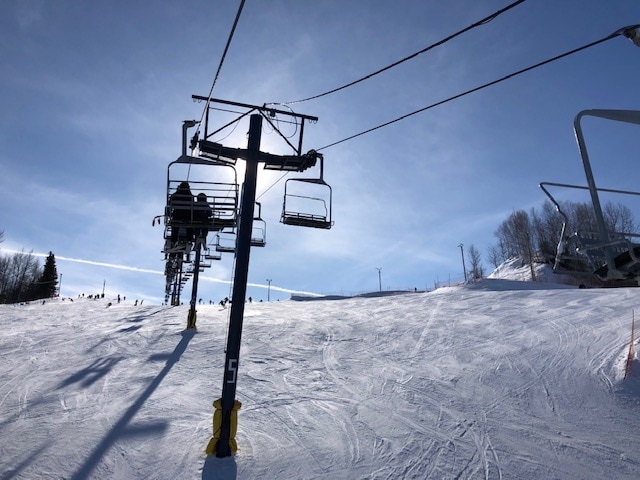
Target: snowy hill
493,380
516,269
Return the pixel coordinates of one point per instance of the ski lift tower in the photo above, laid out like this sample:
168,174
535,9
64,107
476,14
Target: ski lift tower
225,417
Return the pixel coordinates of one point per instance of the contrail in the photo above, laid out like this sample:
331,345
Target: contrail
158,272
103,264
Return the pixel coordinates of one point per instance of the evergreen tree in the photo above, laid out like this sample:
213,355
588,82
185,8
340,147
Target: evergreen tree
48,283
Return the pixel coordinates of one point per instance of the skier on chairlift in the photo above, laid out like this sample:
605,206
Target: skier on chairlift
181,203
203,215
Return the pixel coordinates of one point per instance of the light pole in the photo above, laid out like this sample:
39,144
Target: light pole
464,268
379,277
269,290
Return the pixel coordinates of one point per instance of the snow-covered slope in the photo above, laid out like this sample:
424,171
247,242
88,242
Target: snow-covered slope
516,269
493,380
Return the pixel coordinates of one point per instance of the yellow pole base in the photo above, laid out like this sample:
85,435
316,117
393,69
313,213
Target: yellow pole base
217,424
191,319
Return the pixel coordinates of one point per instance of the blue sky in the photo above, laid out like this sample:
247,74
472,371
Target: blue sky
94,94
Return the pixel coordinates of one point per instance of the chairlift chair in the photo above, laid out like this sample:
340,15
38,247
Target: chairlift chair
258,229
226,241
609,256
184,217
212,256
304,210
583,253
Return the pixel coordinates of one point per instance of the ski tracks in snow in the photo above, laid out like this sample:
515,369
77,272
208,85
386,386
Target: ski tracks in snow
427,433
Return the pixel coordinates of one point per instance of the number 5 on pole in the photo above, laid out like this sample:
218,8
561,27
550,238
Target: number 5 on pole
232,368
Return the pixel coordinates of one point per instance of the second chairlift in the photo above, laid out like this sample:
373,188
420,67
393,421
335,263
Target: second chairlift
304,209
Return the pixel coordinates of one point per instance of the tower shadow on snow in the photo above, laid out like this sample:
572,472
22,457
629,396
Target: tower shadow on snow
220,468
122,428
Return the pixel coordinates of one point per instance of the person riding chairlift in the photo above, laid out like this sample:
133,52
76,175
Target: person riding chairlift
181,203
202,215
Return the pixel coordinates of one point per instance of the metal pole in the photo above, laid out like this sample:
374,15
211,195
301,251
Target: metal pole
379,277
243,251
269,290
192,315
595,200
185,126
464,268
174,290
177,287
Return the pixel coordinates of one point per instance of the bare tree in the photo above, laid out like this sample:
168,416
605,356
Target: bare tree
518,237
507,240
536,235
547,225
618,218
475,263
495,256
18,275
498,253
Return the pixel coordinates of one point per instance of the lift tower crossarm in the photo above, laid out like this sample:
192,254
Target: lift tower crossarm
296,163
267,112
262,108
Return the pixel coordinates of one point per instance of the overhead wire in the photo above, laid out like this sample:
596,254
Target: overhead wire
272,185
484,21
213,84
224,55
626,31
622,31
215,79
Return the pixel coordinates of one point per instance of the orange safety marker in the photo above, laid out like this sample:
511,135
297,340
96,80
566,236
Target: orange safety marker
632,354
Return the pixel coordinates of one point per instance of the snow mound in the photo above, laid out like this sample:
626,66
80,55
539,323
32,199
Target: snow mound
516,269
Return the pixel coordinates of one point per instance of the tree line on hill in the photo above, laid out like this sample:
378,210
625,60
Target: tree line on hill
22,279
532,236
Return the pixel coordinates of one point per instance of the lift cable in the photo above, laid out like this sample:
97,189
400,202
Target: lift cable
627,31
395,64
224,54
483,21
215,79
272,185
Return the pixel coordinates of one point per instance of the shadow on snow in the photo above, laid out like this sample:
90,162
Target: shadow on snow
122,428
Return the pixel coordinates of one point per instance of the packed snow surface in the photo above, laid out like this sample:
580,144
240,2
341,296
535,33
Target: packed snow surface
493,380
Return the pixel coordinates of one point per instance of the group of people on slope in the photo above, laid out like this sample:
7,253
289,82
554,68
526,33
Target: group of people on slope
190,217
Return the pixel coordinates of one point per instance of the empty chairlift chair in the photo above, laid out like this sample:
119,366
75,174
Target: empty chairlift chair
259,229
307,201
226,241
